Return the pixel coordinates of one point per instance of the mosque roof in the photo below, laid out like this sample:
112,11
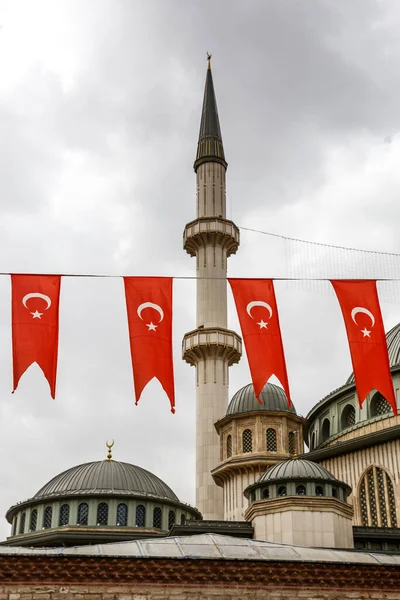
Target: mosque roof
393,344
104,477
273,399
296,468
210,147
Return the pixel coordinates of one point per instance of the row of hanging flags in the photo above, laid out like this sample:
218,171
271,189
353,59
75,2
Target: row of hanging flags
35,320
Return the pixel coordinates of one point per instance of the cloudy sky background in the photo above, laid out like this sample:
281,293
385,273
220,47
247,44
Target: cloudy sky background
100,106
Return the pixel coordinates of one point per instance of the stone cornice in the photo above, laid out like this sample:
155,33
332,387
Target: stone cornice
262,413
298,503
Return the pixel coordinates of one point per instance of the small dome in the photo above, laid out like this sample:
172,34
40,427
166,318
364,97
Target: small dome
296,468
393,344
107,476
273,399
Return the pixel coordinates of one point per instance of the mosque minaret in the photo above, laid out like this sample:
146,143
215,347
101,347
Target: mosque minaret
211,347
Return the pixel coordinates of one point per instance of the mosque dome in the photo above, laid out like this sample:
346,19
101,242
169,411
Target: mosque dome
106,477
393,344
273,400
296,468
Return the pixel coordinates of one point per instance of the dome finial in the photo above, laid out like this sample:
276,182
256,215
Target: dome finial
109,446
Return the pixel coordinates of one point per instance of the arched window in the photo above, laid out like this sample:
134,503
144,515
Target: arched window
64,515
140,515
157,518
319,490
325,430
83,513
271,440
33,522
282,490
171,518
183,519
348,416
334,492
379,405
265,493
229,446
247,438
312,441
300,490
122,514
102,513
376,498
292,444
48,517
22,523
14,527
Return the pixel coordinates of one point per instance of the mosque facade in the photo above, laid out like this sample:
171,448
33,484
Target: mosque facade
270,519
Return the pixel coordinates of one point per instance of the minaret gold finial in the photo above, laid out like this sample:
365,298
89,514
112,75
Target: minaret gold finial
209,60
109,446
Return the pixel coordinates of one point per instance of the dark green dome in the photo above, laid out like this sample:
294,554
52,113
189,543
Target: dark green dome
106,477
296,468
273,399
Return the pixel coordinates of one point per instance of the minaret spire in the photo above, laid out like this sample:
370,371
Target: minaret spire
210,146
211,348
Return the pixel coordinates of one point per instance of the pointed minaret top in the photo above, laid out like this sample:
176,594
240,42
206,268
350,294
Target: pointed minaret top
210,147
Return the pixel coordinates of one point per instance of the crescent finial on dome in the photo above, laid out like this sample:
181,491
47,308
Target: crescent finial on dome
109,446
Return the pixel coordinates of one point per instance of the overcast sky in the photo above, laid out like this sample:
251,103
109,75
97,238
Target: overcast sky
100,105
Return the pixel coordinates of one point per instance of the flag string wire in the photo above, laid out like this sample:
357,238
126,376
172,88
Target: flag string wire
292,239
194,278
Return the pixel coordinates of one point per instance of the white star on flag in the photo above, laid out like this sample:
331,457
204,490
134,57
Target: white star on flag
36,315
151,326
263,324
366,332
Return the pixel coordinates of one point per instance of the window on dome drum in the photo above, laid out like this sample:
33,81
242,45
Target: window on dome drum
22,523
271,440
325,430
171,518
122,514
102,513
14,528
319,490
64,515
33,521
48,517
376,499
300,490
348,417
282,490
265,493
379,405
229,446
334,492
312,441
157,518
183,519
140,515
292,445
83,513
247,439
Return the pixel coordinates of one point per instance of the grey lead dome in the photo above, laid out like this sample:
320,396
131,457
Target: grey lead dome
297,468
105,477
273,399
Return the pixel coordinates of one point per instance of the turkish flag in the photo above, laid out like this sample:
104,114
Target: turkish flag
149,308
259,321
35,304
366,335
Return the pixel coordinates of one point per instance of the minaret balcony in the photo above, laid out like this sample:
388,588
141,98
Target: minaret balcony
206,230
212,342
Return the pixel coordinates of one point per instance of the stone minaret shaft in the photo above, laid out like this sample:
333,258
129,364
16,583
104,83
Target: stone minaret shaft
211,348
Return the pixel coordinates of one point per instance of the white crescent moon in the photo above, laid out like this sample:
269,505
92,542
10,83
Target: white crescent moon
361,309
258,303
150,305
36,295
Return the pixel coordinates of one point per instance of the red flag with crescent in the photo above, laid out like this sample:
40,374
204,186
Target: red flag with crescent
35,307
362,316
149,308
259,321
